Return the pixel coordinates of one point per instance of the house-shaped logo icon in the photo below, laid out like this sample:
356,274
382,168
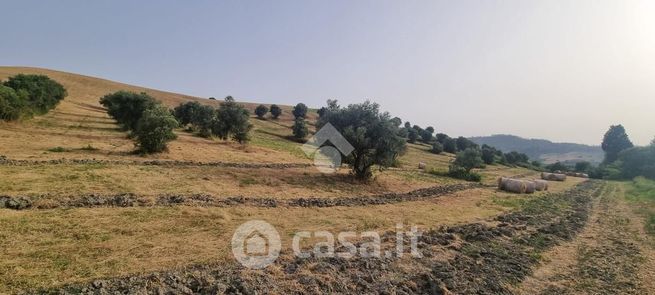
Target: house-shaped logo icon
256,244
327,158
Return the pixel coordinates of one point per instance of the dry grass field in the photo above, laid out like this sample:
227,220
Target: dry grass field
50,246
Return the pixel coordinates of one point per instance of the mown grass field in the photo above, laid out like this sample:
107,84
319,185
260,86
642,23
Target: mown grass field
46,248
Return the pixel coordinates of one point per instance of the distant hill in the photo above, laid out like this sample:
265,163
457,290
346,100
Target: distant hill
543,150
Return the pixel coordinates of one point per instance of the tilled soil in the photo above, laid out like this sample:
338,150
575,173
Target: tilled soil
131,200
477,258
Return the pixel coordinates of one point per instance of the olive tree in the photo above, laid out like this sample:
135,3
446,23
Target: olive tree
373,135
155,129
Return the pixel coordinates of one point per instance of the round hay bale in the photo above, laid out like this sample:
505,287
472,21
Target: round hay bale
559,177
512,185
541,185
421,165
530,186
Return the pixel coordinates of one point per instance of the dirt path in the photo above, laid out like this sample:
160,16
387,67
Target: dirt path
610,256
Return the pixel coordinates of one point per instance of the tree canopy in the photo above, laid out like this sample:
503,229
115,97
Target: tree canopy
374,136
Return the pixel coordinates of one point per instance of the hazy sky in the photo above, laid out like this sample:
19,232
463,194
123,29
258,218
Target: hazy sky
560,70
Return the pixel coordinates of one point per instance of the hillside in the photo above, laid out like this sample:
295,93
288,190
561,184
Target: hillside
81,211
543,150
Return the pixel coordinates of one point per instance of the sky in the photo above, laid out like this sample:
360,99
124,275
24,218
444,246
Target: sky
558,70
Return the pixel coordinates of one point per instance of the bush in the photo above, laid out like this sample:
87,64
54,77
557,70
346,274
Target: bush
638,161
300,130
155,129
12,107
300,111
41,93
373,135
276,111
261,111
461,173
127,107
232,121
437,148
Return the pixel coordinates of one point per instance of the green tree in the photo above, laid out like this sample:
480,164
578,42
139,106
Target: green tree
127,107
437,148
155,129
637,161
426,136
557,166
372,134
261,111
276,111
464,143
41,92
232,121
441,137
300,130
464,162
615,141
488,154
412,135
430,129
468,159
300,111
450,145
583,166
12,106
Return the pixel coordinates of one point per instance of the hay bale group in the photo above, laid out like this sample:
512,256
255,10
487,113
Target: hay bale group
521,186
577,174
553,176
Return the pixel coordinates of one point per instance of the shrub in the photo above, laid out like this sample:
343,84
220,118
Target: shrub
300,130
373,135
276,111
41,92
261,111
437,148
300,110
155,129
127,107
461,173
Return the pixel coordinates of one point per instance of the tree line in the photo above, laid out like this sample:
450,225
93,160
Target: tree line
23,96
